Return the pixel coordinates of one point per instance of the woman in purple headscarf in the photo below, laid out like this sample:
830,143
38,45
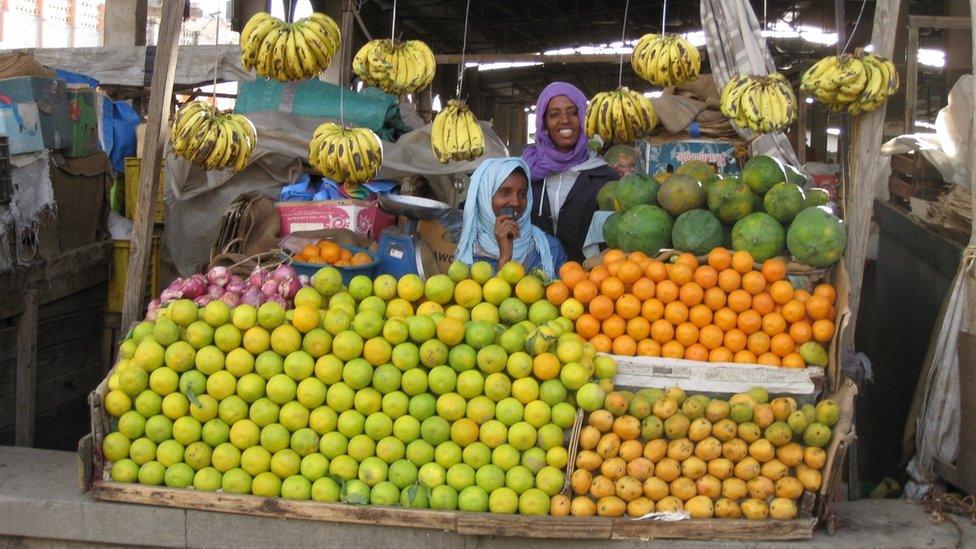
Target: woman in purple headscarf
566,175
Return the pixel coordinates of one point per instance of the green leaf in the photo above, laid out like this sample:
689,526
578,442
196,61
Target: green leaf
192,397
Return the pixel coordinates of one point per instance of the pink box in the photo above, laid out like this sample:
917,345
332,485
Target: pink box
363,217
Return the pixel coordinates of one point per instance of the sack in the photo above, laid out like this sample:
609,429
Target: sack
249,227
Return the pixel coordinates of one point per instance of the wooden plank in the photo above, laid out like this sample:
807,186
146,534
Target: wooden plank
79,269
66,388
160,93
865,167
52,362
486,524
26,366
911,80
568,59
938,22
715,529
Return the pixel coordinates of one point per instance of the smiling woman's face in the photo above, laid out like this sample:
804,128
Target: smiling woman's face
563,123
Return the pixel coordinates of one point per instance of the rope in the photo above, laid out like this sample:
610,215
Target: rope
393,25
464,48
664,18
969,260
216,59
940,505
623,35
856,23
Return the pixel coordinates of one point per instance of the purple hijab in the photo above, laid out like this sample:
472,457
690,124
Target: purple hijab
543,158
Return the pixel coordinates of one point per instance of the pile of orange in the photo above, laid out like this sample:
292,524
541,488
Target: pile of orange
326,252
723,310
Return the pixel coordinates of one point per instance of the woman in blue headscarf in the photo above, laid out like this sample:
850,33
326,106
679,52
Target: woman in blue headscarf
497,226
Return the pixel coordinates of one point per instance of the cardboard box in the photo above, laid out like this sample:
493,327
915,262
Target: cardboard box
442,236
363,217
20,122
655,157
83,113
51,96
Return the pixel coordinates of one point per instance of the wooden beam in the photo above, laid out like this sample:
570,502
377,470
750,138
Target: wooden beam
865,164
571,58
938,22
160,92
345,48
911,80
969,271
26,369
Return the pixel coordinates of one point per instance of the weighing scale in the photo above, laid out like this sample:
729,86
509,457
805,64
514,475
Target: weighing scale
401,249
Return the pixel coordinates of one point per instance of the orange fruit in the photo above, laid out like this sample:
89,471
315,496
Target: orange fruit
720,259
793,360
612,255
565,268
680,273
742,261
614,327
749,321
720,355
781,345
768,359
826,290
662,331
648,347
773,269
341,263
700,315
739,301
706,276
667,291
691,294
714,298
763,304
601,307
638,257
330,251
643,289
758,343
823,330
696,351
676,312
753,282
686,334
587,325
573,277
794,311
624,345
672,349
557,292
688,259
599,274
319,260
652,309
656,271
309,251
639,328
711,337
781,291
801,332
801,295
818,307
773,324
361,258
729,280
629,272
735,340
612,287
346,254
602,343
585,291
725,318
744,357
628,306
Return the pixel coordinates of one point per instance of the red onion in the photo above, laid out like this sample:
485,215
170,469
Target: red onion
252,296
202,300
276,298
284,272
219,275
289,288
270,287
194,287
153,310
170,295
258,276
304,279
231,299
215,291
176,285
236,286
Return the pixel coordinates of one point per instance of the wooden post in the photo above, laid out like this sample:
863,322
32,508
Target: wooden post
345,48
26,366
160,93
911,79
865,165
969,270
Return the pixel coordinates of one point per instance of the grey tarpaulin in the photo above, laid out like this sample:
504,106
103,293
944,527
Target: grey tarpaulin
736,46
33,198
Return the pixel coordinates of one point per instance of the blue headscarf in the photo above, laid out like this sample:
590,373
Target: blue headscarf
479,217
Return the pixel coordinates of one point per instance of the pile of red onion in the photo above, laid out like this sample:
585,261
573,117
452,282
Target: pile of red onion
277,286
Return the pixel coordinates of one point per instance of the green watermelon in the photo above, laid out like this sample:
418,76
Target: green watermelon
816,197
610,229
794,175
635,189
730,200
762,172
605,196
646,228
681,193
817,237
760,235
697,169
697,231
784,201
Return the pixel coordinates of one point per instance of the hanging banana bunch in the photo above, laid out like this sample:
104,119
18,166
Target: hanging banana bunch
856,83
665,59
211,139
289,51
456,134
397,68
763,104
345,155
620,116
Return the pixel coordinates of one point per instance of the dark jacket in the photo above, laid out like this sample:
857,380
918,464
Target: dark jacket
576,212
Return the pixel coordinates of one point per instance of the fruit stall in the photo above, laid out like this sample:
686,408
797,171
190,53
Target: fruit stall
295,329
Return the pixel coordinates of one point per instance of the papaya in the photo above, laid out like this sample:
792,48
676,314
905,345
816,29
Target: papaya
605,196
817,237
730,200
784,201
681,193
697,231
761,172
816,197
697,169
759,234
610,229
634,190
645,228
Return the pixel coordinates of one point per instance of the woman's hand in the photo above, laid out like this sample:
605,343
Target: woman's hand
506,231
